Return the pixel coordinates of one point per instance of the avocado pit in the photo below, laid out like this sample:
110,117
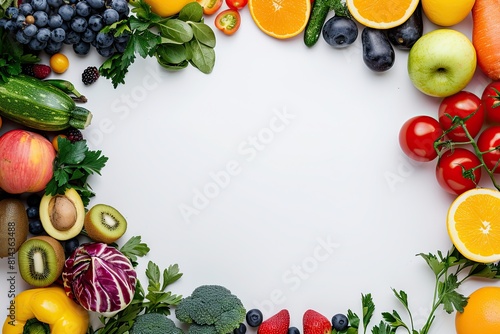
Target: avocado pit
63,213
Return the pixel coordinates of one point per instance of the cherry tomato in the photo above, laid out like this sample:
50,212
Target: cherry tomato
417,137
461,104
491,101
210,6
236,4
456,170
228,21
488,140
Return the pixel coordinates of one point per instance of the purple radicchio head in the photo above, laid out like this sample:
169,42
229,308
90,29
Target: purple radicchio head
100,278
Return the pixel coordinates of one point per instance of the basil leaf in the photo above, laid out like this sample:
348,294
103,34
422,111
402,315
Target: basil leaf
203,33
193,11
172,53
202,56
177,30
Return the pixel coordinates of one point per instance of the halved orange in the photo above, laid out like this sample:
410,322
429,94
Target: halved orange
280,18
381,14
473,223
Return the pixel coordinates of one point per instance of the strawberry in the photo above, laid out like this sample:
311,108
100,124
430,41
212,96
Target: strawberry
316,323
277,324
41,71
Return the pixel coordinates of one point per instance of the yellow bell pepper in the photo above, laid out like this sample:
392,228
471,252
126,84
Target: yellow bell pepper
49,305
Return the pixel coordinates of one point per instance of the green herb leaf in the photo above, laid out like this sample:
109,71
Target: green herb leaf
177,30
383,328
368,309
193,11
202,56
134,248
203,34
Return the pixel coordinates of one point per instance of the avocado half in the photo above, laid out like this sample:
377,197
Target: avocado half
62,215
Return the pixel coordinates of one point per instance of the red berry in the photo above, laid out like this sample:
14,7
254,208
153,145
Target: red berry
316,323
41,71
277,324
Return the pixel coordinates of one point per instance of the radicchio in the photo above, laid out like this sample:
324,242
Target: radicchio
100,278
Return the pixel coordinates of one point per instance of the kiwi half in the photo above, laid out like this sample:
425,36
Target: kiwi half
41,260
103,223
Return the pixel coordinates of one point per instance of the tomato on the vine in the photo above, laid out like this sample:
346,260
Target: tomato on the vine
491,101
228,21
458,170
417,137
462,104
488,143
210,6
236,4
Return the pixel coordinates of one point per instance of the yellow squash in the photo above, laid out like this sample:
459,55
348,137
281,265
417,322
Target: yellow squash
50,306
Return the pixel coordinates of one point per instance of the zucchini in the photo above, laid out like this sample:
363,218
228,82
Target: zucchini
40,105
319,12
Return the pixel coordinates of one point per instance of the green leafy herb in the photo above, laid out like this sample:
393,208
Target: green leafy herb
447,269
11,52
340,8
133,249
73,165
176,42
156,300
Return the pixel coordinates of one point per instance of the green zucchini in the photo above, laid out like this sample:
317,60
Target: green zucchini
39,105
319,12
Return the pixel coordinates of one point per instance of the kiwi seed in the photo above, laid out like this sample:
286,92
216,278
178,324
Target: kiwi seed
104,223
41,260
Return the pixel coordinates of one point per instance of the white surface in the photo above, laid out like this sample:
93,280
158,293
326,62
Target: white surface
308,218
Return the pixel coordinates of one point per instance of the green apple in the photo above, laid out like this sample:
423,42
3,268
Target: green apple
442,62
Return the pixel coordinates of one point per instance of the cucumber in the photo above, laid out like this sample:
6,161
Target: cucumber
319,12
40,105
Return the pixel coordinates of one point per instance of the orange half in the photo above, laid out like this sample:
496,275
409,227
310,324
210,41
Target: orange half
473,223
280,18
381,14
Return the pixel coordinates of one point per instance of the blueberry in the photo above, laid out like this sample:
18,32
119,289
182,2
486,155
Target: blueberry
10,26
96,23
55,3
81,48
39,5
41,18
340,31
70,245
88,36
33,199
121,6
32,212
293,330
254,317
30,30
26,9
58,35
105,52
53,47
12,12
110,16
67,12
123,38
340,322
55,21
83,9
78,24
72,37
120,47
20,21
43,35
37,45
104,40
242,329
22,38
3,20
35,227
96,4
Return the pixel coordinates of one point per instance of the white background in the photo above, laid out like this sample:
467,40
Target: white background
332,174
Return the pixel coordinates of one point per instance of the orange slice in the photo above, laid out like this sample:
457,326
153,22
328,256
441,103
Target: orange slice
280,18
473,223
381,14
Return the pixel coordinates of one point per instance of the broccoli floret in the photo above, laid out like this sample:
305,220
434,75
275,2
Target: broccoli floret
154,323
213,308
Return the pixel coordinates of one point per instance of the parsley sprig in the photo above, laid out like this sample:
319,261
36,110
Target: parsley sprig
450,271
175,41
73,164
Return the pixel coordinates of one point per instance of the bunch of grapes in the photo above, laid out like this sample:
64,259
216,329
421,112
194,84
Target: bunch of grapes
49,24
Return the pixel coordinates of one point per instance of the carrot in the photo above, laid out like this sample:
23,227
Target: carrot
486,36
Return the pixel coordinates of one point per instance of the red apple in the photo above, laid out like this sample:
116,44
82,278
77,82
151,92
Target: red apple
26,161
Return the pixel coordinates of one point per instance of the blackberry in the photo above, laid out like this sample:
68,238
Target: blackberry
90,75
28,69
74,135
